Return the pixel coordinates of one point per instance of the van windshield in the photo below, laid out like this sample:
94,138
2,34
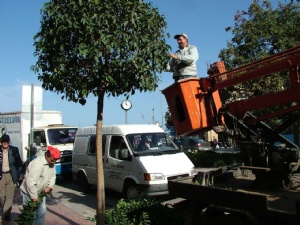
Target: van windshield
61,135
151,144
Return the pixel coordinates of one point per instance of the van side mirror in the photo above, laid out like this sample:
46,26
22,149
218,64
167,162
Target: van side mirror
124,154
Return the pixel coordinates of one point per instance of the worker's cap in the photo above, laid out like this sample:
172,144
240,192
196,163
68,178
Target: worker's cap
179,35
54,152
5,138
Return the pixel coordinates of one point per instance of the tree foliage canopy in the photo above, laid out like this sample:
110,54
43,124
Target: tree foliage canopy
115,47
168,118
261,31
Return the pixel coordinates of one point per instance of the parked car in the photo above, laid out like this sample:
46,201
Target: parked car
192,143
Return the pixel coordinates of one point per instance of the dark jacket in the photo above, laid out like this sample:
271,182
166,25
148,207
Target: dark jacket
15,163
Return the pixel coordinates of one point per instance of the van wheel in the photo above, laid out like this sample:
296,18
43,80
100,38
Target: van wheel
83,183
131,190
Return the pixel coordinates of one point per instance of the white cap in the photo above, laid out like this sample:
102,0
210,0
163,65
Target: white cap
179,35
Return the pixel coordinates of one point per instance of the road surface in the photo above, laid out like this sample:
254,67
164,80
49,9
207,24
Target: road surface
67,192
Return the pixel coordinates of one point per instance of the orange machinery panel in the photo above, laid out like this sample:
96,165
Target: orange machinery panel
186,104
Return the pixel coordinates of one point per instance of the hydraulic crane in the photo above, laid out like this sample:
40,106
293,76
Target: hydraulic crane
269,193
196,106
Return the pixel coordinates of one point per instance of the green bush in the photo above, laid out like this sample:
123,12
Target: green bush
213,159
144,211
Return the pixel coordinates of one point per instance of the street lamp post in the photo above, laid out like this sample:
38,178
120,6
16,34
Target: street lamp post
126,105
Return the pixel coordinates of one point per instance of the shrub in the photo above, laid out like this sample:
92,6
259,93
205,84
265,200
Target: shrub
213,159
144,211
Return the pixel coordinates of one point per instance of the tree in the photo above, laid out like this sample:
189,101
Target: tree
257,33
261,31
168,118
100,47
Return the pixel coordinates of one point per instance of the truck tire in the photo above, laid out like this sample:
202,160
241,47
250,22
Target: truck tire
131,190
83,183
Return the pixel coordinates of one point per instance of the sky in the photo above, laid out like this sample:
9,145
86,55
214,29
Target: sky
203,21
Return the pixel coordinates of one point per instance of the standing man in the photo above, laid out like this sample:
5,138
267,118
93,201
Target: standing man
11,173
40,176
183,61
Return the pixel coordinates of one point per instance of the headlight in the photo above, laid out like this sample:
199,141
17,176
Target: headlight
153,176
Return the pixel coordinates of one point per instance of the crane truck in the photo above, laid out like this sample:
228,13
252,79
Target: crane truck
264,188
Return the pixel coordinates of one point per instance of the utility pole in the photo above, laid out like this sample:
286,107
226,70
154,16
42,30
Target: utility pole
153,119
162,113
31,120
32,113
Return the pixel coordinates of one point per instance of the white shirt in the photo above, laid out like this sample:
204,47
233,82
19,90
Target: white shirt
38,176
186,62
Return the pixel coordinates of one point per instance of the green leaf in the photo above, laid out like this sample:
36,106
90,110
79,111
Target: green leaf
29,210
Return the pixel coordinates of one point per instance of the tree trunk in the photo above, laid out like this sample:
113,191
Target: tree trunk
100,174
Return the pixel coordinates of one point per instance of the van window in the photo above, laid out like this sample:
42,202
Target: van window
116,143
80,144
92,145
103,144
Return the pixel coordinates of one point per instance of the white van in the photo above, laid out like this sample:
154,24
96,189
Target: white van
129,167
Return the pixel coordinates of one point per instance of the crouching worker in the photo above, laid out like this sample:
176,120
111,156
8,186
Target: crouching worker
40,176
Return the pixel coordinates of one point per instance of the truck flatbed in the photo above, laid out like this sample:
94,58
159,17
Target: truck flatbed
238,192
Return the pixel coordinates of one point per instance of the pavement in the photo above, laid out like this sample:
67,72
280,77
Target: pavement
57,213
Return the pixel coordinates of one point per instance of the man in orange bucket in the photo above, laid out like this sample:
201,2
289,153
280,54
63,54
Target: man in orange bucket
183,61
